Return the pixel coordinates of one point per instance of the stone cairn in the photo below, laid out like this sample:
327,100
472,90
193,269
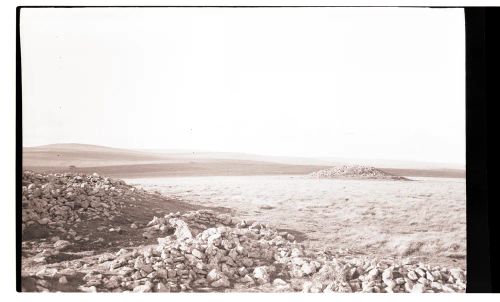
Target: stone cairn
56,200
354,171
205,251
200,251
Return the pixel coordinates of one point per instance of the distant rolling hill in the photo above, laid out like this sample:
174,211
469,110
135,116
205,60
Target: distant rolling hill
117,162
80,155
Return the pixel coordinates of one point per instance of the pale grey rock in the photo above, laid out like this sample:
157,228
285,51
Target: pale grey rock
162,288
387,274
144,288
197,254
458,274
88,289
373,274
247,279
261,274
418,288
308,268
222,282
182,231
214,275
412,276
44,221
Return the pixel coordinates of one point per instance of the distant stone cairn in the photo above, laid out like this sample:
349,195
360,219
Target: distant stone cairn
356,172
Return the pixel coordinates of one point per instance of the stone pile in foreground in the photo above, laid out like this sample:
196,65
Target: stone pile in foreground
354,171
200,251
56,200
206,251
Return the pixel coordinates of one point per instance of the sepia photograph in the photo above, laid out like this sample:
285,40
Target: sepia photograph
243,149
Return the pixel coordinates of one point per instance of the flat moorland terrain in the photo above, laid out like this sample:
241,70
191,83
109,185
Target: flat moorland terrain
115,162
423,218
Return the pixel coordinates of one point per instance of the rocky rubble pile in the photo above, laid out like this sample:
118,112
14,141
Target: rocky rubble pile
204,251
58,199
198,250
186,225
354,171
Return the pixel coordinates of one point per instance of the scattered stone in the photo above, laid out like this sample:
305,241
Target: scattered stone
214,275
387,274
418,288
412,276
247,279
61,244
279,282
182,231
197,254
162,288
308,268
44,221
436,286
261,274
88,289
222,282
458,274
144,288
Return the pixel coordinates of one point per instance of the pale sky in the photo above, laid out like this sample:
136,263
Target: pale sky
381,83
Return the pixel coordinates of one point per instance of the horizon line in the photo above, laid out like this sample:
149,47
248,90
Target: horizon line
188,150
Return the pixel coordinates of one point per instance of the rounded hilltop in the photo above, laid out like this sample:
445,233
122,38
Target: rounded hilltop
356,172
